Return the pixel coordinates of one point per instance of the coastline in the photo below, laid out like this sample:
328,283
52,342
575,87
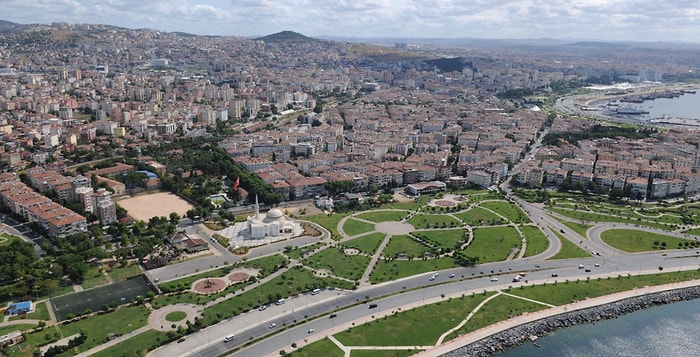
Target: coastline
517,331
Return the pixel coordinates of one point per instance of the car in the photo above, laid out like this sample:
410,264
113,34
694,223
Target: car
312,330
272,325
537,266
332,316
494,279
555,275
262,308
279,302
181,340
661,268
562,231
315,291
431,278
581,266
452,276
596,265
588,270
228,338
372,306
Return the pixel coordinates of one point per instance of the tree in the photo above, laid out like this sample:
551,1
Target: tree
318,108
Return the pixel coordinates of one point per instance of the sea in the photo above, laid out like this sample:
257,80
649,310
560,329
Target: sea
671,330
686,106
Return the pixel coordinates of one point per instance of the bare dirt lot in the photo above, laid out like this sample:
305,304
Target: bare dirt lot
160,204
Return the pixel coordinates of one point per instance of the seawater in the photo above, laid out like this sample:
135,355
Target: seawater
671,330
686,106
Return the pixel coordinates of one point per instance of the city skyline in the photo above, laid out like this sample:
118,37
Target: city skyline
634,20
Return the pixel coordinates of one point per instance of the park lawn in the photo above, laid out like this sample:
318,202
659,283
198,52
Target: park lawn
265,266
404,244
4,330
97,327
396,269
411,205
694,231
421,326
123,273
493,244
299,252
382,216
564,292
41,312
329,222
6,239
506,209
324,347
367,244
353,227
478,216
294,281
39,338
485,195
568,249
135,346
93,278
537,242
634,241
596,217
427,221
346,266
498,309
577,227
445,238
384,353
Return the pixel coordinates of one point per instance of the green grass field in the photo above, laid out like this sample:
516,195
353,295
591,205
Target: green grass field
41,312
329,222
537,242
403,244
445,238
579,228
418,327
383,353
93,278
499,309
135,346
324,347
506,209
299,252
353,227
123,273
345,266
366,244
634,241
383,216
493,244
568,250
597,217
478,216
97,327
426,221
396,269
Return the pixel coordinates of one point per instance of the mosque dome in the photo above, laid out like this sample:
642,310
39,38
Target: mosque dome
274,214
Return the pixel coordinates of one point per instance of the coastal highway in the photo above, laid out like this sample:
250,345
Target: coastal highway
354,306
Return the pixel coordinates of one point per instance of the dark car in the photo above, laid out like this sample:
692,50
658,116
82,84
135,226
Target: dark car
333,316
181,340
372,306
555,275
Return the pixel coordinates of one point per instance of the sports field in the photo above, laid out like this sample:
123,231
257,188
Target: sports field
93,299
160,204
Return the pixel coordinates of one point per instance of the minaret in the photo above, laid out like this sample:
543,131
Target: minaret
257,208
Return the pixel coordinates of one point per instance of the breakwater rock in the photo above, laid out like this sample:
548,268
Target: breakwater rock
521,334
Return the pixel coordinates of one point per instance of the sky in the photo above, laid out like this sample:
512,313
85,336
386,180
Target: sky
635,20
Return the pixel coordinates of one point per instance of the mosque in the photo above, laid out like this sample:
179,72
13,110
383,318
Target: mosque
274,225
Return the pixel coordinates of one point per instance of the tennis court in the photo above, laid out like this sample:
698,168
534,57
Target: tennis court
121,293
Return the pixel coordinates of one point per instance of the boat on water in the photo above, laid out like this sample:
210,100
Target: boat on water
629,110
537,344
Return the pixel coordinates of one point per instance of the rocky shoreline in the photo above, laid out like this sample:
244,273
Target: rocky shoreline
521,334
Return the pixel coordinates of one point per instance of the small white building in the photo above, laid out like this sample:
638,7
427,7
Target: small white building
274,224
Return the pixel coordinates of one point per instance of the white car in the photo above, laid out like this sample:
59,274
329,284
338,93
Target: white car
494,279
312,330
228,338
272,325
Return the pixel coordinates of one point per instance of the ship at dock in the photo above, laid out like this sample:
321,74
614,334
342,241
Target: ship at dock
629,110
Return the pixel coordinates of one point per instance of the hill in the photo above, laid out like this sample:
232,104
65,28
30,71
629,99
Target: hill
286,36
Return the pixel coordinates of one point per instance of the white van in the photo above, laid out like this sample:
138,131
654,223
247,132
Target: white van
279,302
315,291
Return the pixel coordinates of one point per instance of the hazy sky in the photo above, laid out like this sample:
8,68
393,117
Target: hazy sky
643,20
